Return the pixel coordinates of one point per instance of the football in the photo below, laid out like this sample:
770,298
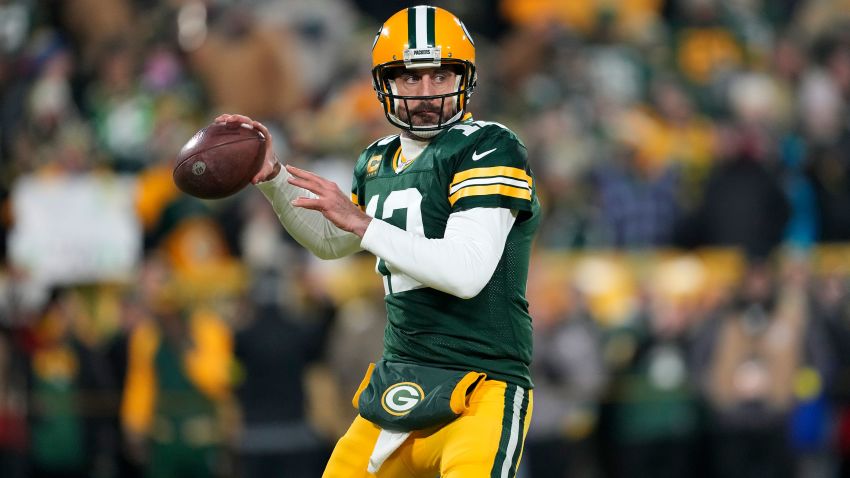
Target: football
219,160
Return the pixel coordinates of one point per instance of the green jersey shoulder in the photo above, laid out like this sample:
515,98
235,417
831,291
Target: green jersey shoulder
473,164
486,163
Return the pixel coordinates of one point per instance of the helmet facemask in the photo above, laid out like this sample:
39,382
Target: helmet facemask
383,78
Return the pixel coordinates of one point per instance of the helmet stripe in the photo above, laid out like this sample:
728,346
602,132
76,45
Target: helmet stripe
422,27
430,26
411,27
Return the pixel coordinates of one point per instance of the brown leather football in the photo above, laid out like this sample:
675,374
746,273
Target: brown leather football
219,160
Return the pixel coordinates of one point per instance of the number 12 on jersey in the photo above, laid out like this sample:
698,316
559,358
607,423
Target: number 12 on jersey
409,199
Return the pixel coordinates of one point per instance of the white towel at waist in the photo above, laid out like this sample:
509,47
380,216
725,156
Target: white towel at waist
387,443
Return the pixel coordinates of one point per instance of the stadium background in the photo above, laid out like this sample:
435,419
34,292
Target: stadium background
689,284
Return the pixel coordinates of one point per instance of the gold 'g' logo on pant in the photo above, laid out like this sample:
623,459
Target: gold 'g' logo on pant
400,398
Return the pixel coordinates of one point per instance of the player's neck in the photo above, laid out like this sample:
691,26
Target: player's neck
411,145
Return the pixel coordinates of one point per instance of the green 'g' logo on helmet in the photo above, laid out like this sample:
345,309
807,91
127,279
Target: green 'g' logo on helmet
400,398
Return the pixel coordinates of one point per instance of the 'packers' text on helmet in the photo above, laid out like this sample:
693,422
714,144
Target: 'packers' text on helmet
423,37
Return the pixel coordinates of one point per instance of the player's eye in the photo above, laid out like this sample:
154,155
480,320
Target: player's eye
443,76
409,79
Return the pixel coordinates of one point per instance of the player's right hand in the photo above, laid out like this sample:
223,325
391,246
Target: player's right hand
271,166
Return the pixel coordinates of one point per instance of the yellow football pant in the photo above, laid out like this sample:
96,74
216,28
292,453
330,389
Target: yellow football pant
484,442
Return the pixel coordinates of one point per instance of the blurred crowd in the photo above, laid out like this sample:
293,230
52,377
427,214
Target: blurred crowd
690,285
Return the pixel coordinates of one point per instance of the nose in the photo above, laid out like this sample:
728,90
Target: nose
426,86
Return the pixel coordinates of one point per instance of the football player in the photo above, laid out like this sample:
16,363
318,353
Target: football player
449,208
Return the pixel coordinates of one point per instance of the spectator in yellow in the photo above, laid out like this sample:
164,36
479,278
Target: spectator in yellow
629,17
671,132
703,52
178,383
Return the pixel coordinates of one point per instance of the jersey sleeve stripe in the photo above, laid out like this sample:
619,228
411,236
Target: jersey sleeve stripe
507,171
502,189
493,180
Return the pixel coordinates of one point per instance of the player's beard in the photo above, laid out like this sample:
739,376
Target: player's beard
425,113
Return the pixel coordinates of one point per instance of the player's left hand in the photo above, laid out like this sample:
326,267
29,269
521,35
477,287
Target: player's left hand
331,202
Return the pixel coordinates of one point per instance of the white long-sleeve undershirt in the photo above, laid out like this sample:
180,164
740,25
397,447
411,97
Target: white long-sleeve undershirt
309,228
461,263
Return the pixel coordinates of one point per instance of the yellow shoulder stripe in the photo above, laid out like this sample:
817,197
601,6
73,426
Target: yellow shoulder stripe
502,189
506,171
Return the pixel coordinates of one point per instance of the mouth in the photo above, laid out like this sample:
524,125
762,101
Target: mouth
428,114
426,117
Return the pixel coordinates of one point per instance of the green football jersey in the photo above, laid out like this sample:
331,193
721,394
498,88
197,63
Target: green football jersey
473,164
